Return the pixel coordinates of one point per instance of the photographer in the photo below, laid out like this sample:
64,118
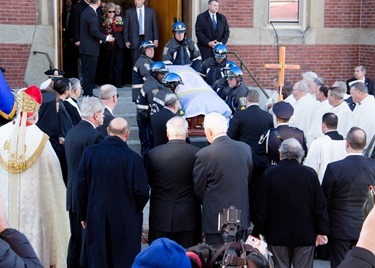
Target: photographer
15,249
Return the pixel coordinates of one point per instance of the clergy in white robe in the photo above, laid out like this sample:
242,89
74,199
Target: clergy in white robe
327,148
304,107
340,108
364,112
31,183
322,107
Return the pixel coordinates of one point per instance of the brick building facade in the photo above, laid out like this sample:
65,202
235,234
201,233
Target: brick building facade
334,37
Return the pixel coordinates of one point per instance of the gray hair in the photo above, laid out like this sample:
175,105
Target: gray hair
309,75
291,149
107,91
216,122
319,81
177,126
75,82
341,85
171,100
363,68
336,92
360,86
302,85
91,106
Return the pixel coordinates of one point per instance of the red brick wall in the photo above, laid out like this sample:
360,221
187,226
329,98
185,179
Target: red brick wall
368,14
13,58
342,13
367,58
239,14
18,12
332,62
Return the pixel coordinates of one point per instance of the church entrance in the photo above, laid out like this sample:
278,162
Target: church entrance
167,12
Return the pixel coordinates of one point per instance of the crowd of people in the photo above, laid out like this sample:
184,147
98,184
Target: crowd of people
294,169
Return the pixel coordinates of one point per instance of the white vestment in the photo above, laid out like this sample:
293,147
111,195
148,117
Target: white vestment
323,151
304,109
344,115
315,129
35,197
364,117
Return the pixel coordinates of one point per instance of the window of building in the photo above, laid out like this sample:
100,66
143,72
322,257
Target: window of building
284,11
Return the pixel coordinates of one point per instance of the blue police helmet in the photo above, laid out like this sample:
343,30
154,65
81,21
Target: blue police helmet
220,51
234,72
229,64
158,67
178,27
146,44
172,79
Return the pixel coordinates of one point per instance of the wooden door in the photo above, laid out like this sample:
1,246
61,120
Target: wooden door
167,12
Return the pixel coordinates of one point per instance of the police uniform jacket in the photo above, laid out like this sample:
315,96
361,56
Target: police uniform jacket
141,71
211,70
146,96
159,98
232,98
270,141
185,52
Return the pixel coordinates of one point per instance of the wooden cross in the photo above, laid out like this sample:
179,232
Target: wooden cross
281,66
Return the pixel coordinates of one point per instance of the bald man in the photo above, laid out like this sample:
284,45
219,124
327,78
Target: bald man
112,192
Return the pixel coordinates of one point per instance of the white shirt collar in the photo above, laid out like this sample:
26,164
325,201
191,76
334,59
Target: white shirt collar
221,135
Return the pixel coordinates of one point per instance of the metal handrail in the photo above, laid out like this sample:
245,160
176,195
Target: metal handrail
51,65
248,70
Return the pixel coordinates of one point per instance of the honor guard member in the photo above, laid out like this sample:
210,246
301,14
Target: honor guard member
212,68
144,101
182,50
270,141
170,83
235,94
222,83
142,66
53,74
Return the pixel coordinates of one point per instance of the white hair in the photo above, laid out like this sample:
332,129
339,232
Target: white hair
177,126
216,122
91,106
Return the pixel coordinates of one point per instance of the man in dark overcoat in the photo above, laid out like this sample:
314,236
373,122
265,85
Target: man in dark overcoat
221,174
112,192
175,211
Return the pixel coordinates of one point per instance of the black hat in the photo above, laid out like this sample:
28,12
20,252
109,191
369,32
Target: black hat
283,110
54,73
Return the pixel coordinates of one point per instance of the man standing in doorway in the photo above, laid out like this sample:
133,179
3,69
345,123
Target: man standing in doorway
89,46
211,28
140,25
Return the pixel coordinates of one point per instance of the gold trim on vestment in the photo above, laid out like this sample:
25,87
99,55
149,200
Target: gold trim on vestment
14,168
11,114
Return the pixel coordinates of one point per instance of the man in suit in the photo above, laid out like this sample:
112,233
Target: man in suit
359,75
140,25
247,126
112,192
109,96
89,45
78,138
270,141
221,174
211,28
345,185
175,211
159,120
293,219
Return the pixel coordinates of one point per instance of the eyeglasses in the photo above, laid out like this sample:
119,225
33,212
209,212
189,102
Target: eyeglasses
111,11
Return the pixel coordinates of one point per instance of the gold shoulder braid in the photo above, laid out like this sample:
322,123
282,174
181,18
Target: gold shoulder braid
21,165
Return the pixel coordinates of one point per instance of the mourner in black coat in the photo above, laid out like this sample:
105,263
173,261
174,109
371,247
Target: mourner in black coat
345,185
209,34
175,211
112,192
78,138
221,174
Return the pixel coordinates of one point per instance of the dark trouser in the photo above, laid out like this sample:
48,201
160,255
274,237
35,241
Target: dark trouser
88,72
77,256
254,188
338,250
185,239
113,64
145,135
300,257
135,52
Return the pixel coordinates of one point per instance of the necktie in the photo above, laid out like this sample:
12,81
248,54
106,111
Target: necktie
214,21
140,22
